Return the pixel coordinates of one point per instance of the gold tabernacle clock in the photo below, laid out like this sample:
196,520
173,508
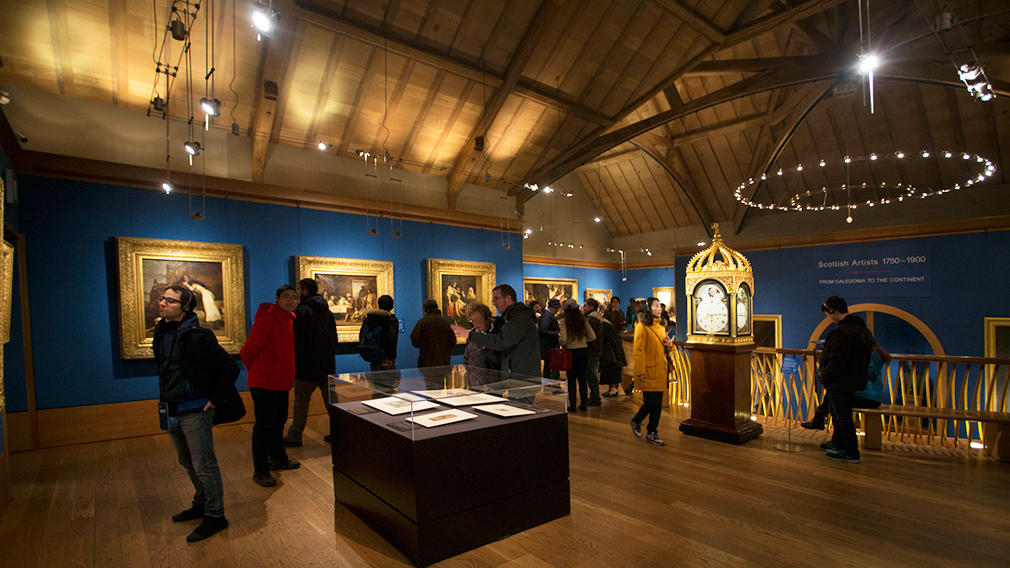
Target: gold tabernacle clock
720,285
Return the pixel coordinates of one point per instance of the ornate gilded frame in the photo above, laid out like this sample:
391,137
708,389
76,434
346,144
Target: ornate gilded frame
484,274
549,282
671,304
6,293
382,271
606,293
131,252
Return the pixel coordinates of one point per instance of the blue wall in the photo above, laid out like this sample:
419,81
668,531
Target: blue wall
965,282
72,271
587,277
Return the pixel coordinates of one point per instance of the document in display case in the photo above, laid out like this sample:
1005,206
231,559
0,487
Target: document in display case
403,437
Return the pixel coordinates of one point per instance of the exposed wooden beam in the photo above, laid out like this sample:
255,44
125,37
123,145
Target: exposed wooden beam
318,15
118,35
70,167
59,32
745,88
763,64
768,23
693,19
275,55
534,33
752,10
740,215
684,184
723,128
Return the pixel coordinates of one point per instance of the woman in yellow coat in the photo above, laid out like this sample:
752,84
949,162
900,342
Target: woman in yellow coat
651,368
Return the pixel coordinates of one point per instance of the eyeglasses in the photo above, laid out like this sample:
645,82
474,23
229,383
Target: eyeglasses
168,300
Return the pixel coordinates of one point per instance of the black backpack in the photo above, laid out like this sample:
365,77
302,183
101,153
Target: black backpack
219,373
370,342
323,332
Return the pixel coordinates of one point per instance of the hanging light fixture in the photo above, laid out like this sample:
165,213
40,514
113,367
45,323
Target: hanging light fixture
264,20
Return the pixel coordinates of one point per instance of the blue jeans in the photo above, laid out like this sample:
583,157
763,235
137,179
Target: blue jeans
191,434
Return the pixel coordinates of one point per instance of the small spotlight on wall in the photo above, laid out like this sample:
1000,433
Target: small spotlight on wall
211,107
323,146
193,149
598,219
868,63
166,187
264,21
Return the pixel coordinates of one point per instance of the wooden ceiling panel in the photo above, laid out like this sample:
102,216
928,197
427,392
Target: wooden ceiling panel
480,20
312,52
637,53
554,55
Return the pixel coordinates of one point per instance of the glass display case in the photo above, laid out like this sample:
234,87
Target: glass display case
441,460
416,401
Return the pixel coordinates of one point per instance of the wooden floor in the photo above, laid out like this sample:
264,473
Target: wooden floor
692,503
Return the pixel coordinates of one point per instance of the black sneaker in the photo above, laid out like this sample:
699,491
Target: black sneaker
653,438
839,455
636,428
571,409
328,439
814,424
828,447
194,512
264,479
594,403
292,442
280,465
209,527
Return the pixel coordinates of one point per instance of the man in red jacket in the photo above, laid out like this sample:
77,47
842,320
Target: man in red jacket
269,357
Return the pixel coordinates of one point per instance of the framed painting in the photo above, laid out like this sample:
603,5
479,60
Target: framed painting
665,295
456,284
213,271
544,289
601,295
6,294
350,287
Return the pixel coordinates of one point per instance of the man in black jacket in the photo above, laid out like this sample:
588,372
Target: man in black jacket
315,345
843,371
383,318
549,332
183,352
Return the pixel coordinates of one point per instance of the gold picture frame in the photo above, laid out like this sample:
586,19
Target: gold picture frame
214,272
545,289
667,295
364,280
601,295
454,284
7,293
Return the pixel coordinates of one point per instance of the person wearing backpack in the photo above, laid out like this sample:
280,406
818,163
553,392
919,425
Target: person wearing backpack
315,333
379,335
192,384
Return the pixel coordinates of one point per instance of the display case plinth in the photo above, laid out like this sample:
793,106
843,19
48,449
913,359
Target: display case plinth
436,492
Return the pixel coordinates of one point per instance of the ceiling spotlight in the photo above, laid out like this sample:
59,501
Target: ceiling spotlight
848,219
847,160
548,189
965,156
322,146
873,157
264,20
166,187
822,163
799,168
925,153
158,104
597,219
178,30
868,63
211,107
192,148
899,154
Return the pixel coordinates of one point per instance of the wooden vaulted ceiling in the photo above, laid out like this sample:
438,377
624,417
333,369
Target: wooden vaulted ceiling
660,108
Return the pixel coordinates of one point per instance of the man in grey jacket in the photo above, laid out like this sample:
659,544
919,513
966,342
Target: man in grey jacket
518,339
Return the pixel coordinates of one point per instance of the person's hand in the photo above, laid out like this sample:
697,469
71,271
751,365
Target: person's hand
386,363
459,330
668,342
208,406
640,377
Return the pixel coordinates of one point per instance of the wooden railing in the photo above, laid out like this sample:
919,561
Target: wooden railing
783,388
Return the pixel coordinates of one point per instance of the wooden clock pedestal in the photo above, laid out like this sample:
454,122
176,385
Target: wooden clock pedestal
720,393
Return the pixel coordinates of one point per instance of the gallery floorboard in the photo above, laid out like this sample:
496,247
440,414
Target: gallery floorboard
692,503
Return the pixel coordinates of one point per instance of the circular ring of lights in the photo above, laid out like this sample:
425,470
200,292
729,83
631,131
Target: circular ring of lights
807,199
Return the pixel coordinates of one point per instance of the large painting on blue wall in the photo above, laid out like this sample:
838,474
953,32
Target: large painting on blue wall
212,271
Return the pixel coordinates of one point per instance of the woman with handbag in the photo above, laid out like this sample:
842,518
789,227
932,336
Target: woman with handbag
652,369
576,333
